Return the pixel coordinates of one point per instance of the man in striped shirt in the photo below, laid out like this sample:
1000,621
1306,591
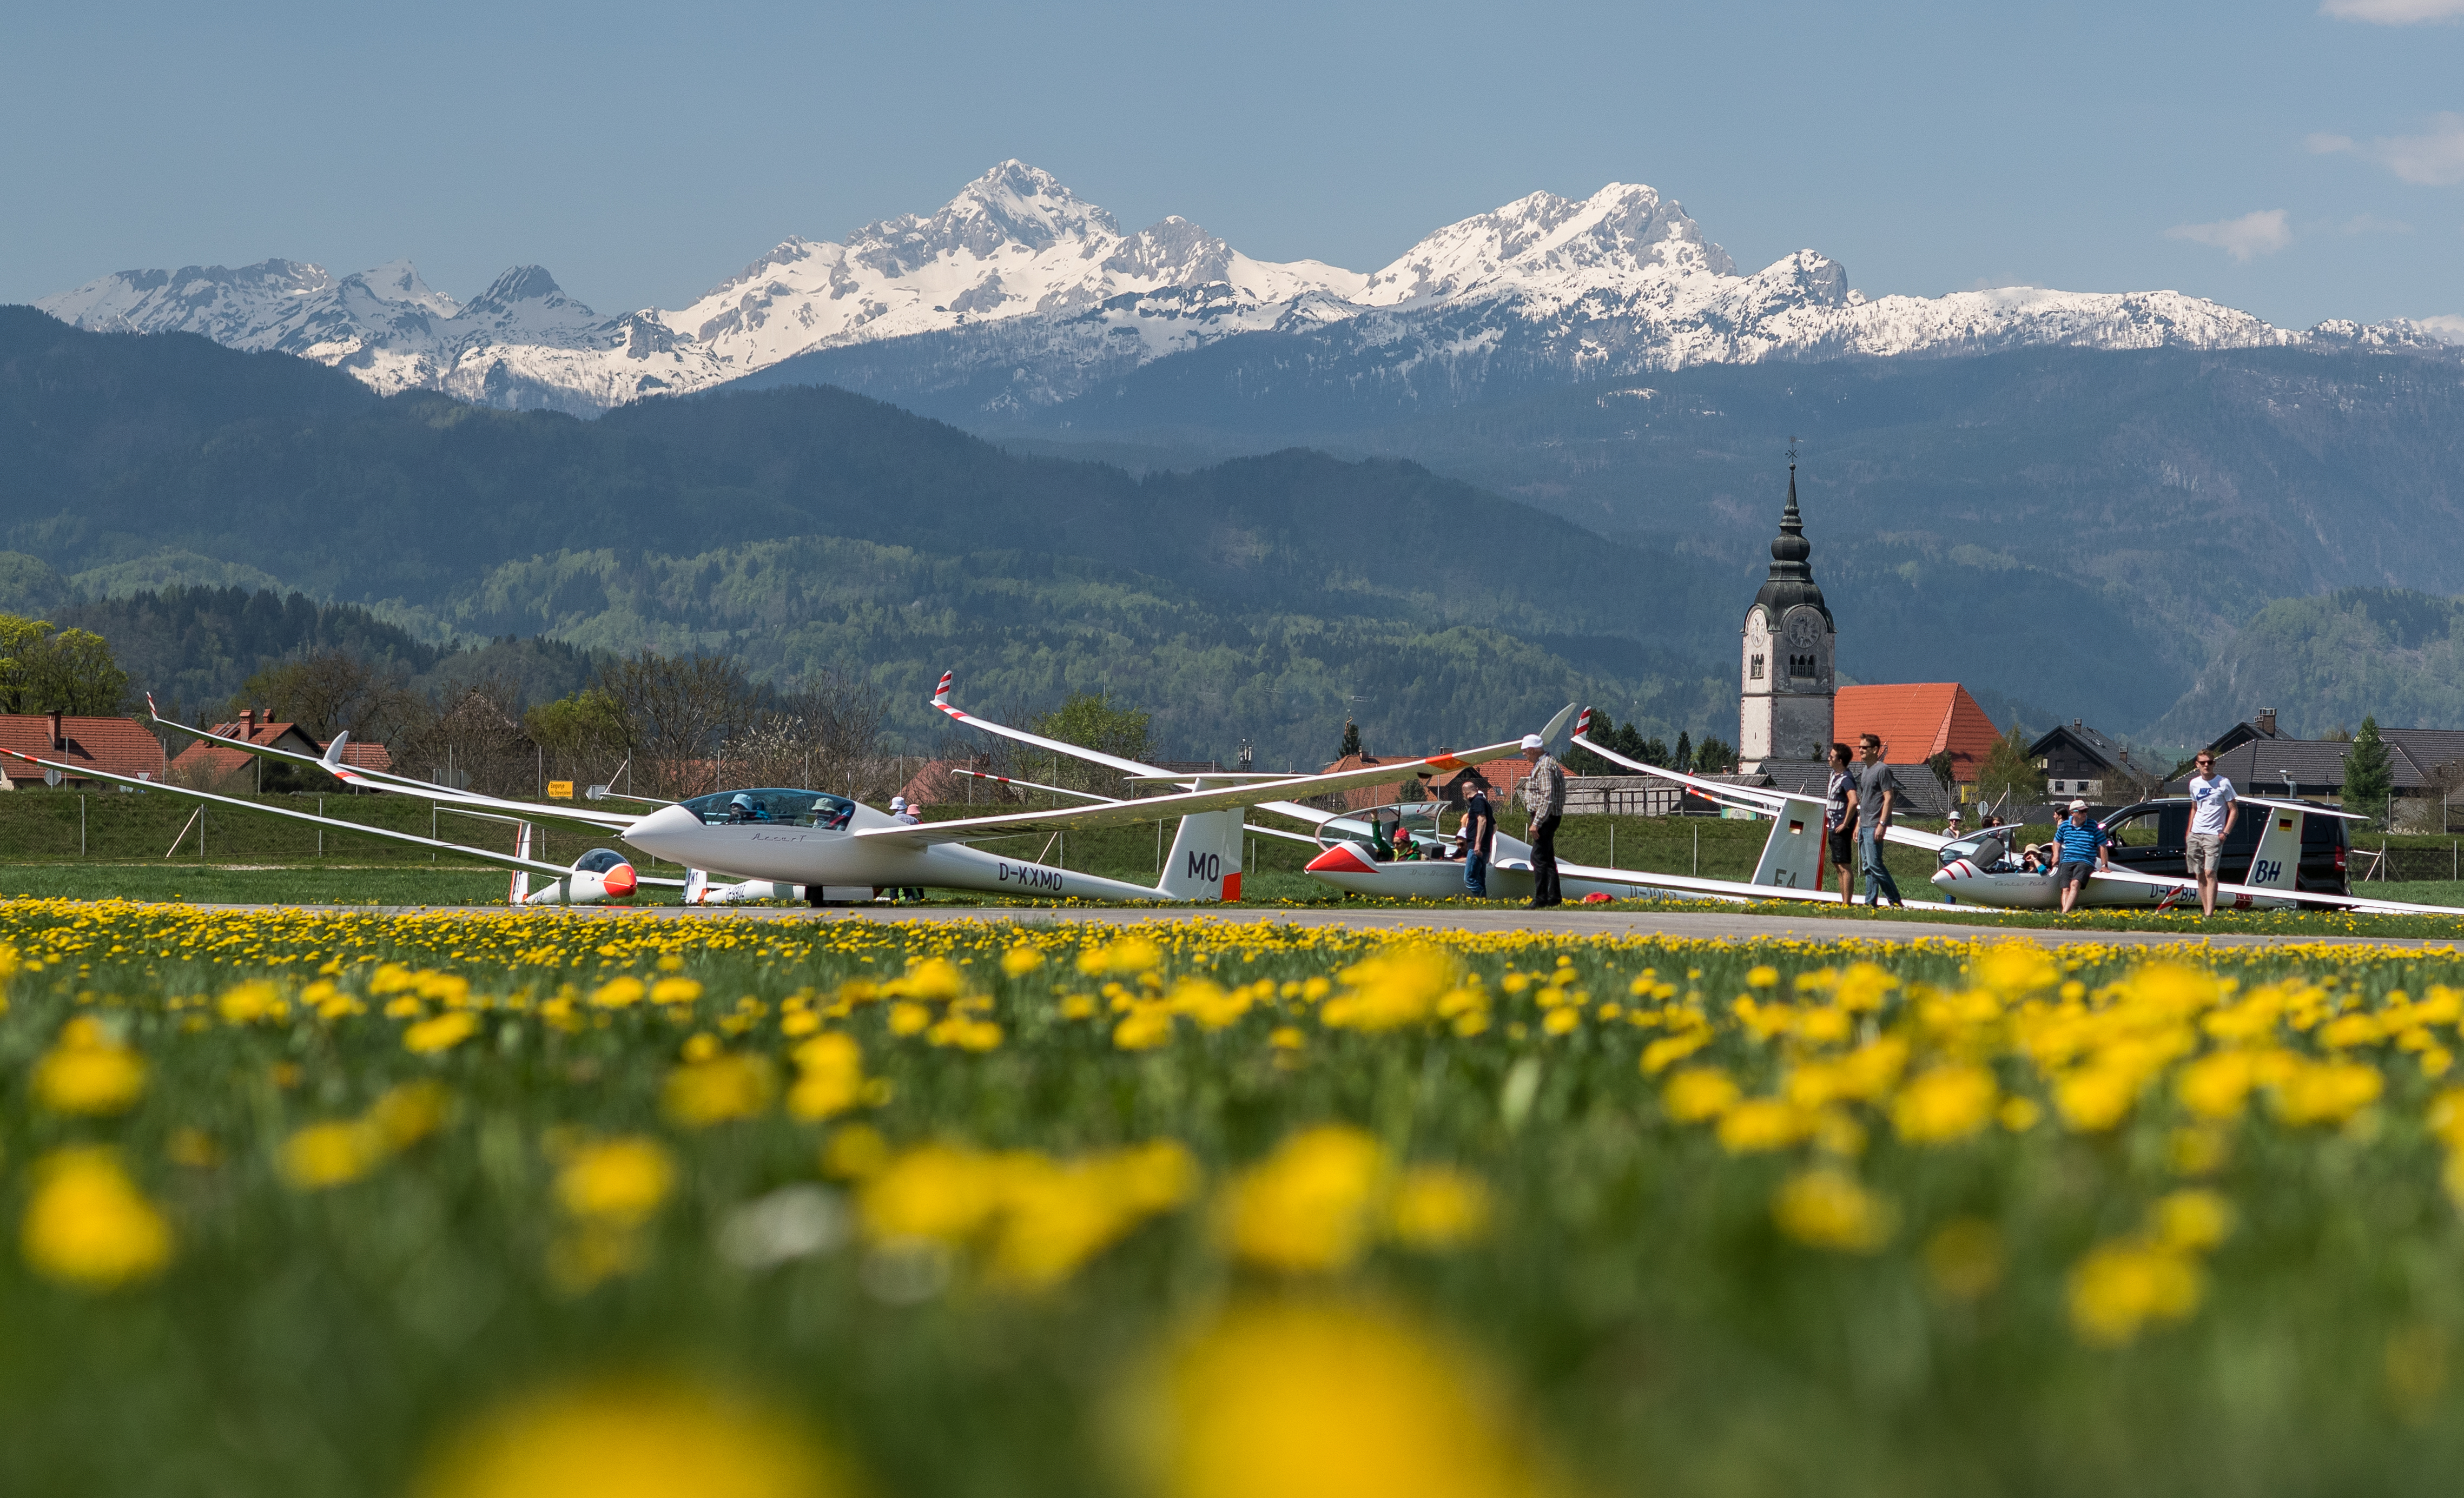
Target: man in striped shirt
2085,849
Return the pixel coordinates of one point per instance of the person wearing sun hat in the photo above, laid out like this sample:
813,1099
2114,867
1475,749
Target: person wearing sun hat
1544,794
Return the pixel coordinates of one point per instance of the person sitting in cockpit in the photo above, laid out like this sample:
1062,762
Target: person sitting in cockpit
744,809
1382,842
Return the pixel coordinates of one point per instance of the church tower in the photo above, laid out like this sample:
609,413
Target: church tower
1784,709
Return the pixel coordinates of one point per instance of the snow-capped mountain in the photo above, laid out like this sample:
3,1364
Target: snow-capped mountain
1024,296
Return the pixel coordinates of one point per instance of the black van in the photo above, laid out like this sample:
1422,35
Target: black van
2152,836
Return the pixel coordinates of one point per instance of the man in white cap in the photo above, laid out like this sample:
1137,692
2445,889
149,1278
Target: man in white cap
1544,794
2084,848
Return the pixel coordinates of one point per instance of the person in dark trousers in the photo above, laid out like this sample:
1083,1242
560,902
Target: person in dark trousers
1871,798
905,811
1478,838
1840,840
1544,794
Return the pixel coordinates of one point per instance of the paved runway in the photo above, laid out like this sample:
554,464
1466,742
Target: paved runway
1712,924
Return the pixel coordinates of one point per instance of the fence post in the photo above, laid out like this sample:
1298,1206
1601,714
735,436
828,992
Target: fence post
80,827
321,828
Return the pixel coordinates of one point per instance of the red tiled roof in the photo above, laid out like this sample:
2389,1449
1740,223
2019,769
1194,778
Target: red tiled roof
120,746
217,762
1916,721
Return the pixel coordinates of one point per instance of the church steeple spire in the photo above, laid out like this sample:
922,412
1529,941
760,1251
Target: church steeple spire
1792,576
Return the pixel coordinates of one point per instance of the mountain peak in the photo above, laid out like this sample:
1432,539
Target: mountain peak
398,281
523,283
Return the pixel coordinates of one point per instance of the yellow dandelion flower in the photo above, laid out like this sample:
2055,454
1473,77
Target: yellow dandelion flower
830,1080
88,1073
442,1034
618,993
1765,1123
1945,1104
1019,961
2191,1221
1306,1207
248,1003
1827,1208
700,1094
619,1180
675,991
88,1225
642,1441
1306,1400
2121,1287
408,1112
1436,1207
1698,1092
326,1155
2327,1091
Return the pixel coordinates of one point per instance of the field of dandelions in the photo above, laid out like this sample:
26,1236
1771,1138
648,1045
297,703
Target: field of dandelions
554,1206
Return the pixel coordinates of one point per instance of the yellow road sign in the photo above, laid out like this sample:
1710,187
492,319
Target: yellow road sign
559,790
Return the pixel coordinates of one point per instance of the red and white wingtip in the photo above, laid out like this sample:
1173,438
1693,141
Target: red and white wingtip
1583,723
941,693
152,711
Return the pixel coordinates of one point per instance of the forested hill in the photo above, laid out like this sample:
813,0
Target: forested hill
1259,598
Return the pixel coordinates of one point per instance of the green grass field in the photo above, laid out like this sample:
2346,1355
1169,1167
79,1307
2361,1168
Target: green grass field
463,1205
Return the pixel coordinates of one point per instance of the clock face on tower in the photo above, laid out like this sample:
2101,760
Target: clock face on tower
1804,631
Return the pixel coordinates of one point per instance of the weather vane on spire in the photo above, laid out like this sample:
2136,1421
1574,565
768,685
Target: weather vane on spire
1792,451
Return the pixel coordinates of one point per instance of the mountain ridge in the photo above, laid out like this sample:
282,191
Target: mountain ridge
1017,268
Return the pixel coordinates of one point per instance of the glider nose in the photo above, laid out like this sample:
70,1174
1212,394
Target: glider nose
620,880
659,832
1340,860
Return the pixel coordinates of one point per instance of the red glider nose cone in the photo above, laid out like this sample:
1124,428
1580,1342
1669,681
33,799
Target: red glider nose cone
1340,860
620,880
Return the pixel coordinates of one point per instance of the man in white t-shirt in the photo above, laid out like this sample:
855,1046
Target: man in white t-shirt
2212,818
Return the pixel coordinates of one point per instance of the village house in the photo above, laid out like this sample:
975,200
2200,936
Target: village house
119,746
203,763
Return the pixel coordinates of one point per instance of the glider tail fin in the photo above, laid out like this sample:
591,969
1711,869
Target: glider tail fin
1792,855
2277,862
1204,863
696,886
521,886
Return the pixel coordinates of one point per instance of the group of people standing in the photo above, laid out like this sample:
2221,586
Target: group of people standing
1856,812
1544,794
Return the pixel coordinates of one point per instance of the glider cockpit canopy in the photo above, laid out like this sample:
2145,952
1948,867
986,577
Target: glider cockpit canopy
773,804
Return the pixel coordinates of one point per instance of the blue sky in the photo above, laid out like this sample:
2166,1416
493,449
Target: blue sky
2277,157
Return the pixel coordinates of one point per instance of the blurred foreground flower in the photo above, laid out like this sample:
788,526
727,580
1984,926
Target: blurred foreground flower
89,1071
609,1191
1828,1209
1304,1400
89,1225
648,1440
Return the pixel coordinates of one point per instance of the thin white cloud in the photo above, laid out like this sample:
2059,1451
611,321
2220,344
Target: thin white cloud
2393,12
2372,223
2433,158
2245,238
2447,328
